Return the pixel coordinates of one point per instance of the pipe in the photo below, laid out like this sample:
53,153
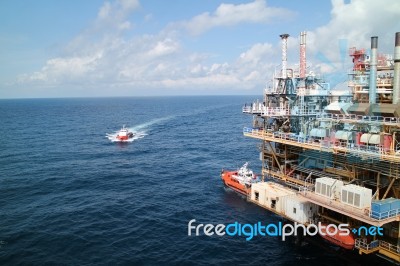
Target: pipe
396,74
373,69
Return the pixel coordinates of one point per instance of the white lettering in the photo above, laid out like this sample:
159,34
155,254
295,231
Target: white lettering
208,229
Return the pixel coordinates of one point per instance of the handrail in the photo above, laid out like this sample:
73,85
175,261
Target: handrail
361,118
260,108
360,149
364,213
384,215
361,243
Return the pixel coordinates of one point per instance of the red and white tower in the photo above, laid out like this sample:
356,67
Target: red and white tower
303,59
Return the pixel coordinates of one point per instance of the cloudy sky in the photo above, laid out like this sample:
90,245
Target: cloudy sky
178,47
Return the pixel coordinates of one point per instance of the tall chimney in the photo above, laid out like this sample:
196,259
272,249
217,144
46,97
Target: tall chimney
284,38
303,59
372,69
396,74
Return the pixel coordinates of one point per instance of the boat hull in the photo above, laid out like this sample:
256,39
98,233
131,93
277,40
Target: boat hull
346,241
233,184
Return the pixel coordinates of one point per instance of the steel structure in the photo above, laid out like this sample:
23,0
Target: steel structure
309,131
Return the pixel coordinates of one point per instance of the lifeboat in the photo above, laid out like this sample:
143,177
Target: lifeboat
344,241
240,180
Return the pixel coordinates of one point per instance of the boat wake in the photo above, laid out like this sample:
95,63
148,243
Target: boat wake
138,131
145,126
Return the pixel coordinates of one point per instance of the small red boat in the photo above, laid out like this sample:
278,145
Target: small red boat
240,180
344,241
123,135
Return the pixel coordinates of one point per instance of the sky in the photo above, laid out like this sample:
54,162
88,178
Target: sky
73,48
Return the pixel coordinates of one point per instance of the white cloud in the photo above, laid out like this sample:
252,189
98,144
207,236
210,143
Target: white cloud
102,55
230,14
209,82
256,53
351,25
117,9
354,23
148,17
60,70
126,25
163,47
104,11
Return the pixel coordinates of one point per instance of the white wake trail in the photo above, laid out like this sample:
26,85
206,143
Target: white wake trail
139,131
150,123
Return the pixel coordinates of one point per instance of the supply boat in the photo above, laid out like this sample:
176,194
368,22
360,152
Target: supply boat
240,180
123,135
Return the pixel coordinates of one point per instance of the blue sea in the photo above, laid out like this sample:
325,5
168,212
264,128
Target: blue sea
69,196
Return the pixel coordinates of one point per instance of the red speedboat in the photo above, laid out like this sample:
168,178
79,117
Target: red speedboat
123,135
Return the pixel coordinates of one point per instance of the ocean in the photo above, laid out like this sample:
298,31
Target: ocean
69,196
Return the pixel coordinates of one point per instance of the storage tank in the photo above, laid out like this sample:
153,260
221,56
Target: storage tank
371,139
344,135
319,132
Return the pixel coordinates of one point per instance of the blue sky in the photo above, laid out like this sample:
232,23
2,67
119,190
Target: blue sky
135,47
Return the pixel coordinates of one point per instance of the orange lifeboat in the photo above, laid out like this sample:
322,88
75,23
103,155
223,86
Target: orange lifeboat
344,241
240,180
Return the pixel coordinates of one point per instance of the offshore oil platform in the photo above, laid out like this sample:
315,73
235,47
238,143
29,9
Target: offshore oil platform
333,156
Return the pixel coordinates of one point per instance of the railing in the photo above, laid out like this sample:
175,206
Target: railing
385,81
361,243
390,247
384,215
374,215
265,111
361,118
302,184
246,109
362,214
314,91
357,82
308,192
365,151
374,148
305,189
259,108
